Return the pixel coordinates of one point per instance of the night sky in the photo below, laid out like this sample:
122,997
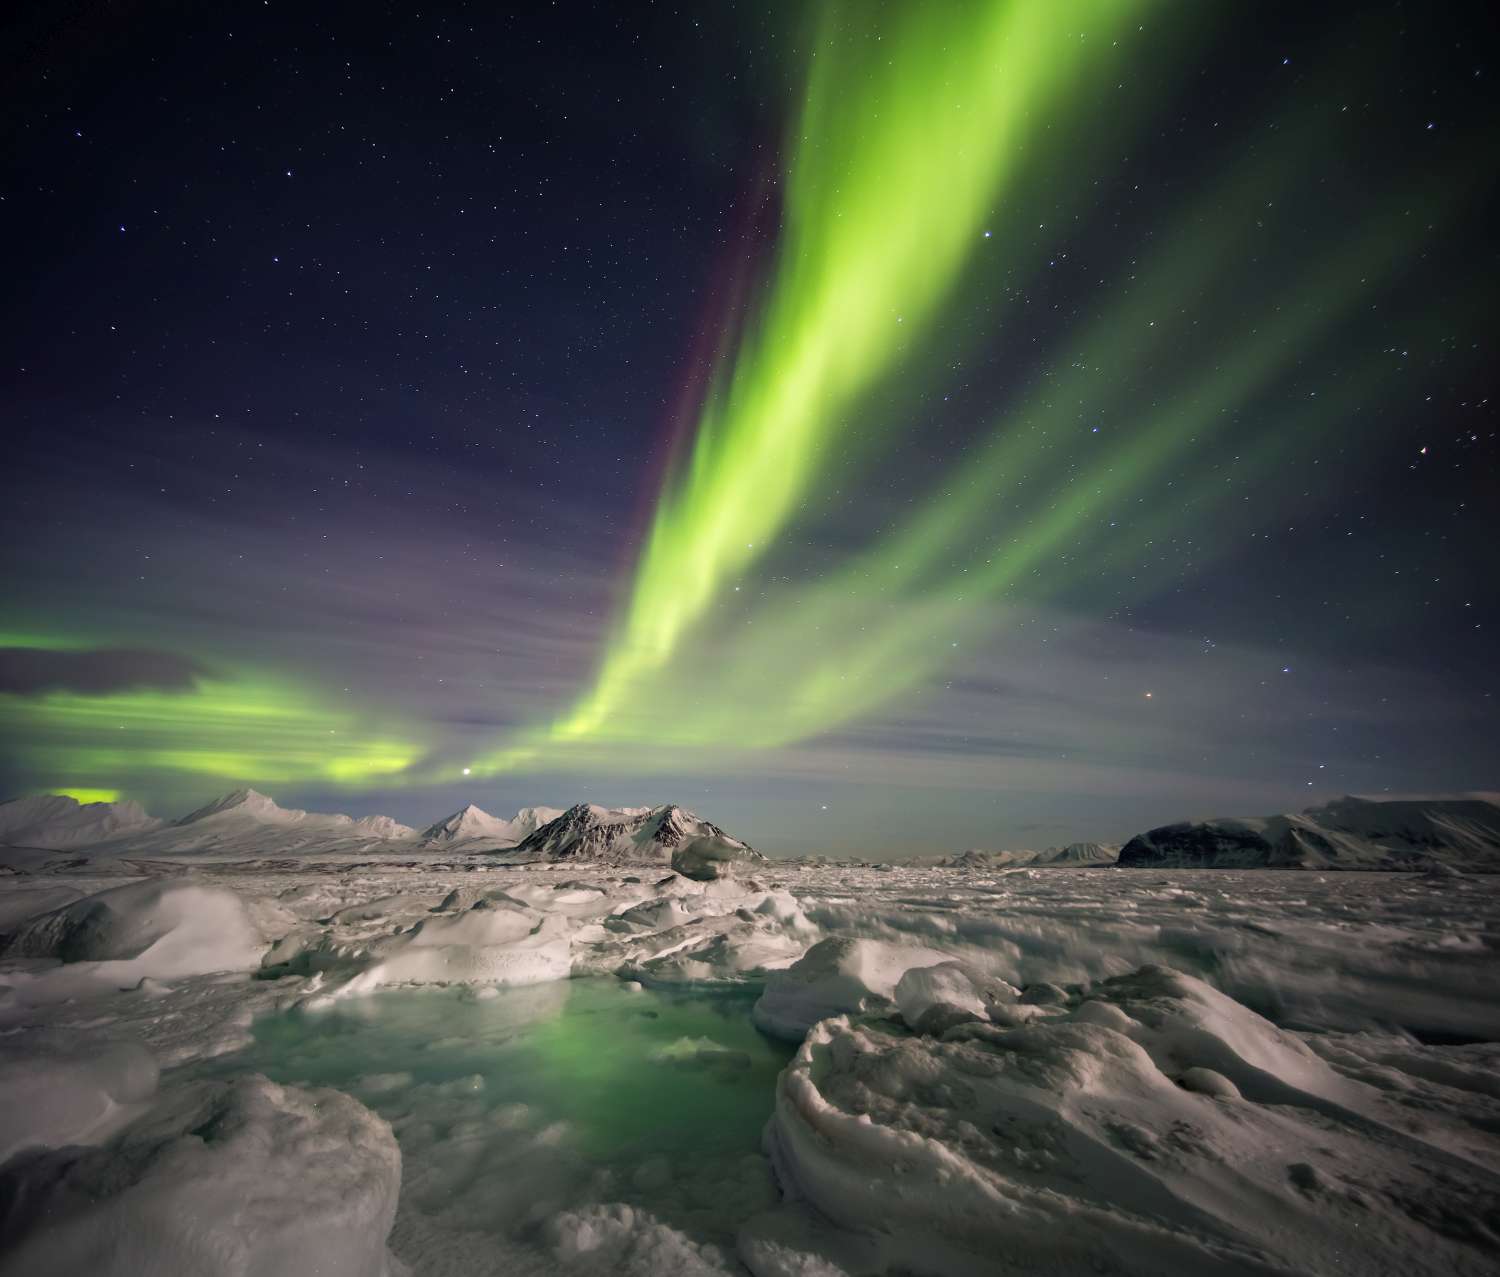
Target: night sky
897,427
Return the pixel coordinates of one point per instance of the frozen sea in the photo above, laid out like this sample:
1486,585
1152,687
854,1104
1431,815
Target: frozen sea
363,1065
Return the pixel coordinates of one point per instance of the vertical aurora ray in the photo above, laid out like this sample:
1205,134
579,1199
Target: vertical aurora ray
907,136
809,658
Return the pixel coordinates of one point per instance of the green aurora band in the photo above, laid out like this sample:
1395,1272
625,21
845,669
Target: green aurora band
251,728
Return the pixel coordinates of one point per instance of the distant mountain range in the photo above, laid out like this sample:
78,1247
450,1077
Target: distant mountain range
1436,835
247,823
1076,855
58,823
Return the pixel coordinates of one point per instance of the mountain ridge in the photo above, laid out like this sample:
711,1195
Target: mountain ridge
1460,834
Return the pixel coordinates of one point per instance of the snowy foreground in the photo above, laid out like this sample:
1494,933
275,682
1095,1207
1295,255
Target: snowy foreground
1033,1071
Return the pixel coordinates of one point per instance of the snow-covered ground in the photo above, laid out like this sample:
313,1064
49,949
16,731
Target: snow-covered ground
203,1068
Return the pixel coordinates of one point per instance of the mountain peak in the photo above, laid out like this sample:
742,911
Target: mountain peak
622,835
249,801
468,821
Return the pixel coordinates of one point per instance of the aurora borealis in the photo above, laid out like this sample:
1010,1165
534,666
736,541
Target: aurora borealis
837,418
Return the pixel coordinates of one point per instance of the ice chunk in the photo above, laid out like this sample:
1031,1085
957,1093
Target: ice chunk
161,928
713,856
834,976
61,1088
240,1179
954,984
620,1239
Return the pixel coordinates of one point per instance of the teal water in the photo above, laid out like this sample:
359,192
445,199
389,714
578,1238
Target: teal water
548,1097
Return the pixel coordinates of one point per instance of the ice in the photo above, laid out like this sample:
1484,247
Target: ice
59,1088
157,929
712,856
1049,1068
546,1101
620,1239
243,1178
1071,1144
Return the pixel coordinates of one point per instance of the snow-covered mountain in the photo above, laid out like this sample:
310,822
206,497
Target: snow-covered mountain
1349,833
471,824
618,835
1074,855
55,822
245,822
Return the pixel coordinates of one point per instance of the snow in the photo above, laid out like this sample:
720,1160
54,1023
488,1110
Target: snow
997,1068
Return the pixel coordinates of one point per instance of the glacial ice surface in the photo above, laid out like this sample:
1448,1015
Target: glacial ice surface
580,1069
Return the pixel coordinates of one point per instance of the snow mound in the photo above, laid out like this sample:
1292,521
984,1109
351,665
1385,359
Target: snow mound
835,976
504,945
60,1088
1108,1136
56,822
243,1178
620,1239
161,928
1351,833
953,989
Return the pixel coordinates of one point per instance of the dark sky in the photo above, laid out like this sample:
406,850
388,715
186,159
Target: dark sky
357,359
